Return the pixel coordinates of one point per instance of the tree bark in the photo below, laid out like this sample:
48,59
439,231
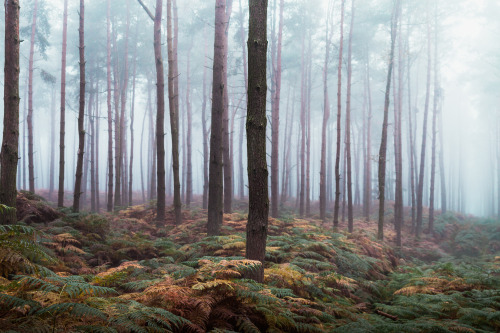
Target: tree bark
10,139
62,129
256,230
215,189
81,111
383,145
132,116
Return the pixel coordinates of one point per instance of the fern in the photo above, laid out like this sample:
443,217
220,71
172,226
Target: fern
74,309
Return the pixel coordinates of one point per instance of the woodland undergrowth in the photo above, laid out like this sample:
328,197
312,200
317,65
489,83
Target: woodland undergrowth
124,273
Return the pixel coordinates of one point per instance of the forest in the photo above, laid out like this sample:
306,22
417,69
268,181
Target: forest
250,166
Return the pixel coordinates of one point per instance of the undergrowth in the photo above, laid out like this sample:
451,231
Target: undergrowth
122,273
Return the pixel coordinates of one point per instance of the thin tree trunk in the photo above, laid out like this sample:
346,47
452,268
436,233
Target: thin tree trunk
205,130
52,140
444,206
383,145
326,116
189,176
368,166
109,205
60,194
31,168
276,119
173,100
256,230
10,140
227,163
339,124
350,216
302,130
132,115
434,130
420,191
215,190
81,112
96,156
242,121
398,145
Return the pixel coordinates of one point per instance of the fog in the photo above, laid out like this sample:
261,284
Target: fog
467,75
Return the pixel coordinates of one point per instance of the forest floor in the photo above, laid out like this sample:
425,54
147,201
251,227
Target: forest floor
121,272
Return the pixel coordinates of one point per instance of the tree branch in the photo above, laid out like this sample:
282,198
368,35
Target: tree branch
146,9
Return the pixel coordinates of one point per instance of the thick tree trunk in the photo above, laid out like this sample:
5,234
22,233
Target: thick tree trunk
339,124
81,112
10,139
275,120
350,216
420,192
256,230
383,145
215,189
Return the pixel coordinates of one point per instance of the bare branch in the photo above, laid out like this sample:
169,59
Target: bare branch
146,9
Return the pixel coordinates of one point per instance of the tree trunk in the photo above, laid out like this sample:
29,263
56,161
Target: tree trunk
339,124
81,112
398,146
434,130
96,156
60,194
205,130
160,116
368,163
173,102
132,116
52,141
31,168
227,163
326,116
189,176
350,216
420,192
444,206
276,119
109,205
256,230
242,121
302,131
10,140
383,145
215,189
